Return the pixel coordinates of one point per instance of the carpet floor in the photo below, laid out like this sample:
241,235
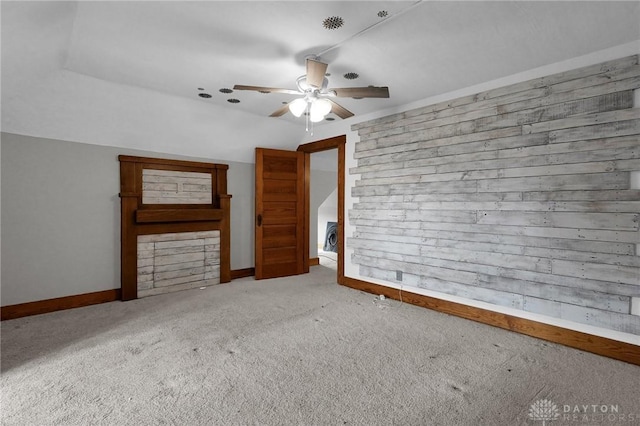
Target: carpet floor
296,351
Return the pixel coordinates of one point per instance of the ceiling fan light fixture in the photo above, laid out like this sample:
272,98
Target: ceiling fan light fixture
316,118
320,107
298,106
314,97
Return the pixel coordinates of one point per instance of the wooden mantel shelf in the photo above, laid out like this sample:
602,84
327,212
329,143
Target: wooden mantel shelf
178,215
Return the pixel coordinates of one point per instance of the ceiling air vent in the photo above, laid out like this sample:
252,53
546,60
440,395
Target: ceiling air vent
225,90
333,22
383,14
233,101
351,75
204,95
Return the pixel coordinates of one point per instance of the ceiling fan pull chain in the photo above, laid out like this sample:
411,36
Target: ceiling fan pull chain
307,117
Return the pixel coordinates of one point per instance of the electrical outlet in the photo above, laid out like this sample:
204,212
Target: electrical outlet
398,275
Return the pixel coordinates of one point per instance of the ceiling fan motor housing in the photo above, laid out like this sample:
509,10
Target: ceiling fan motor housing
304,87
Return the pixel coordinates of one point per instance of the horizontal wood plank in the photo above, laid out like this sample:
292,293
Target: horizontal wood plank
178,215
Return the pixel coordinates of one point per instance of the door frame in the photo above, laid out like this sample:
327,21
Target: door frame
339,143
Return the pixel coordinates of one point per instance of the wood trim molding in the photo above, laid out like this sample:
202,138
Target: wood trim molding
242,273
314,261
172,163
341,191
575,339
178,215
323,145
58,304
307,213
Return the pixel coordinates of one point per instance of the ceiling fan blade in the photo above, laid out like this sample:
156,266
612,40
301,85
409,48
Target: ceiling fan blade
266,89
280,111
315,73
340,111
362,92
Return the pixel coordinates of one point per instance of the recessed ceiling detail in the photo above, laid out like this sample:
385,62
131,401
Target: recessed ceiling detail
200,88
216,43
204,95
225,90
329,118
333,22
351,75
383,14
233,101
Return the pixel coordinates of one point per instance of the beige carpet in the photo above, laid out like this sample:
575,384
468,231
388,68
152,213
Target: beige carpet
294,351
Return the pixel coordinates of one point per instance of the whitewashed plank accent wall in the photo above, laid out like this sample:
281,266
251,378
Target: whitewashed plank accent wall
519,196
174,187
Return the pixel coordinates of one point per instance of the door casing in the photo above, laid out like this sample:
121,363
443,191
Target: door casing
339,143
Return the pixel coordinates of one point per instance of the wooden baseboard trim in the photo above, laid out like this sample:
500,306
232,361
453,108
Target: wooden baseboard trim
587,342
58,304
314,261
242,273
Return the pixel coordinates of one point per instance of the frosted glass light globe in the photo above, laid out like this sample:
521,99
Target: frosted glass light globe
320,107
316,118
298,106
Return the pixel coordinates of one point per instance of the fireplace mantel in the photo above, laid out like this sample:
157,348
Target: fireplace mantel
162,196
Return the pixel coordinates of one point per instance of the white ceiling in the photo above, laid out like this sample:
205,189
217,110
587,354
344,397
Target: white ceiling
127,74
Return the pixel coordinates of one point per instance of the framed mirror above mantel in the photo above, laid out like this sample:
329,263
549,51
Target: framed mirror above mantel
175,225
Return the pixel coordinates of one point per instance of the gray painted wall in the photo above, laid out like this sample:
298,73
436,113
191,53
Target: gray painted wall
61,217
60,213
519,196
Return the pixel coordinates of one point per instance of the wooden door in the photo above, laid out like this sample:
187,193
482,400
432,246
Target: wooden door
279,228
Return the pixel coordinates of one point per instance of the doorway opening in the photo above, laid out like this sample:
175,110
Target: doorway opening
323,210
326,147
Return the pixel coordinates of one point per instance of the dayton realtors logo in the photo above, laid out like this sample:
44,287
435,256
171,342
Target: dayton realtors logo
545,410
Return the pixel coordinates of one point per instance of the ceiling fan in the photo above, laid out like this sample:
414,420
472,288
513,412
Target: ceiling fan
316,96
